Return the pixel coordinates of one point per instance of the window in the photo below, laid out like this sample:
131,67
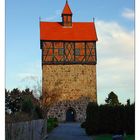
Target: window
77,51
61,51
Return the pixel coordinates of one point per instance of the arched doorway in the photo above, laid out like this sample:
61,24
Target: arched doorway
70,115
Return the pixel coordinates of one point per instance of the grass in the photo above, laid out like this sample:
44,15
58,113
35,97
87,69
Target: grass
109,137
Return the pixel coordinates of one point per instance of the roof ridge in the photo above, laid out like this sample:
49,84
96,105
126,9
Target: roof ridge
72,22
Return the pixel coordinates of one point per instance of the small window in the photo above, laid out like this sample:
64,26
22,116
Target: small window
91,49
60,51
77,51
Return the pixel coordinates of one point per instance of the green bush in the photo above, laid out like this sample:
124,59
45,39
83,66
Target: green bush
130,119
83,125
92,119
51,124
27,105
110,119
39,112
55,122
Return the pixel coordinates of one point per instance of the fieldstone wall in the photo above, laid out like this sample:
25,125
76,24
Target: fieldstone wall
75,85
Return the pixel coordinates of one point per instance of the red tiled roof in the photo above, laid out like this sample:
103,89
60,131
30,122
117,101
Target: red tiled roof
80,31
67,9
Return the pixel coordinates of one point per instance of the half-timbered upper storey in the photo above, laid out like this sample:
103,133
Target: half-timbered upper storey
68,42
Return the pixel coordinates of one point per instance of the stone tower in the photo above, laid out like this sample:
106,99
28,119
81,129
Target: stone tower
68,66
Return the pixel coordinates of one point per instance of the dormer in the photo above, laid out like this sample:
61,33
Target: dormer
67,16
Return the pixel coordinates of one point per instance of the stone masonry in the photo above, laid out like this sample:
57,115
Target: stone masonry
75,85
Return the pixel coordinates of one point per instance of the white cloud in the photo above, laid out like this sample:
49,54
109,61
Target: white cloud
30,80
115,64
53,17
128,13
31,72
27,77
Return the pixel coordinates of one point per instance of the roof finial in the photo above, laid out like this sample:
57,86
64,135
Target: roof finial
66,1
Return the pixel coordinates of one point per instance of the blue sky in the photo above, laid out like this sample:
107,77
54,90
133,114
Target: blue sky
114,21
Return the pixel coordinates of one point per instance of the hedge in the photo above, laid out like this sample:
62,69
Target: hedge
105,119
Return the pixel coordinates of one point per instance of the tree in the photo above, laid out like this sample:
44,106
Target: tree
7,101
28,94
48,99
13,100
27,105
112,99
128,102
